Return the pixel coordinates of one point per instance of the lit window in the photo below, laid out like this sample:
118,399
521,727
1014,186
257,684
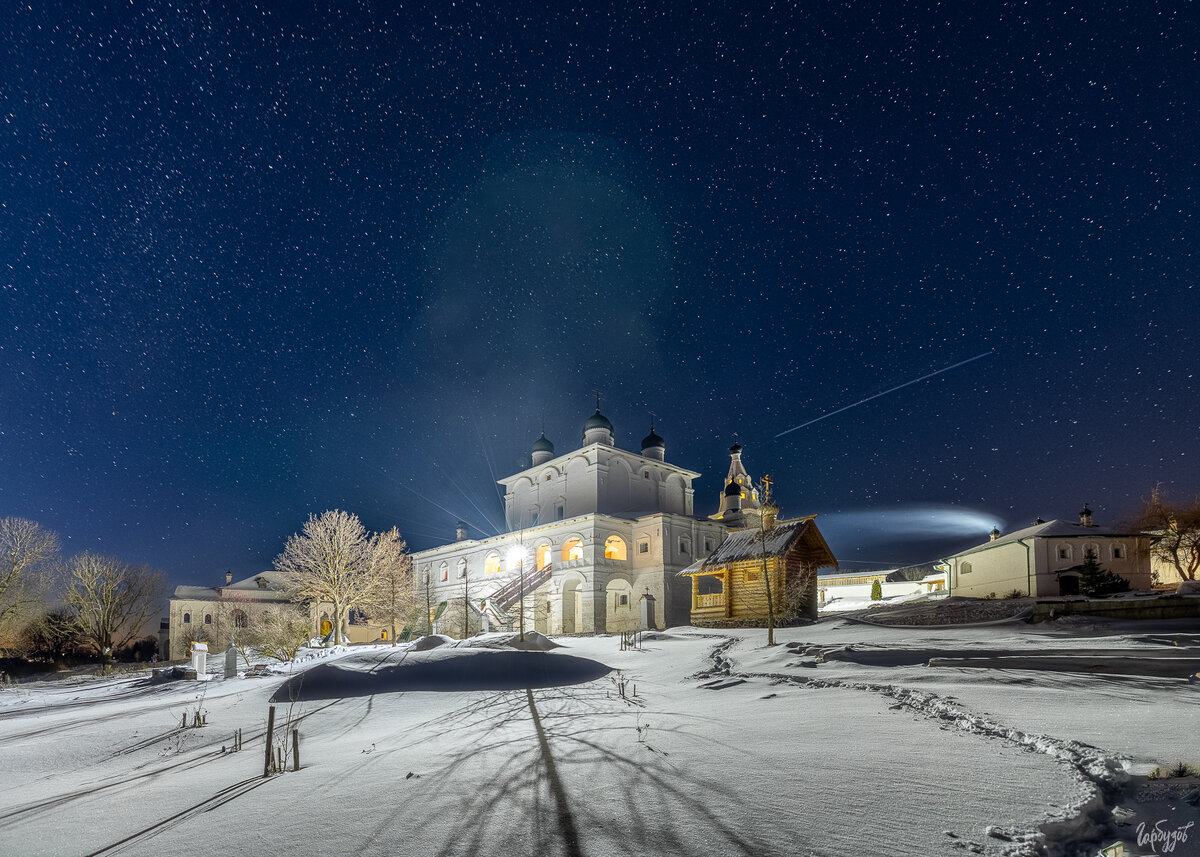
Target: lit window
547,477
614,548
572,549
491,565
541,556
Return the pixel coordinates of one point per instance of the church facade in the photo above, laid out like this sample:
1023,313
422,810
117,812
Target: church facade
595,541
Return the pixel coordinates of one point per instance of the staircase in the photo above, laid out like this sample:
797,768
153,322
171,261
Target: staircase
496,605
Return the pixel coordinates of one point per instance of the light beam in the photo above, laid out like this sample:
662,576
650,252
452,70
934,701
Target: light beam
885,392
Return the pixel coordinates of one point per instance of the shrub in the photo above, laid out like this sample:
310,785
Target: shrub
876,591
1016,593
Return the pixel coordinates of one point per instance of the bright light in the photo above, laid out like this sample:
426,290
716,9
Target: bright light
516,554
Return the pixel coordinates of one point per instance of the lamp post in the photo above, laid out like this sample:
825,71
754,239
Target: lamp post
516,557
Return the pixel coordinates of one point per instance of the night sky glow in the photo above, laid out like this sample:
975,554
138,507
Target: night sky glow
266,260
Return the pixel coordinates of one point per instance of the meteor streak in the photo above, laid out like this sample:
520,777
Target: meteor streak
885,392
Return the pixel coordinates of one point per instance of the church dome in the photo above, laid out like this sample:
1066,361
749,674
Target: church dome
736,448
543,445
597,421
733,490
652,440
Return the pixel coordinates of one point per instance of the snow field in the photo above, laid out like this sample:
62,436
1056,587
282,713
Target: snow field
842,742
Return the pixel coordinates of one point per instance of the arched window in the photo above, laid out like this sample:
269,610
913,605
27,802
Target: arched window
572,549
445,570
462,567
541,556
965,568
187,618
491,565
614,548
207,618
239,619
383,636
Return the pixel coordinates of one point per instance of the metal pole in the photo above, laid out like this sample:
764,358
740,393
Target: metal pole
295,749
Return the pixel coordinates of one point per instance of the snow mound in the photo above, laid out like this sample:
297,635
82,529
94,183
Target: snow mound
431,641
457,671
1188,587
533,642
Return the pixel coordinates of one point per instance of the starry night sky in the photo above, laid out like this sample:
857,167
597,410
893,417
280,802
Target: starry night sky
262,261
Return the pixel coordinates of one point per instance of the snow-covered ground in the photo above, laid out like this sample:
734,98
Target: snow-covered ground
847,739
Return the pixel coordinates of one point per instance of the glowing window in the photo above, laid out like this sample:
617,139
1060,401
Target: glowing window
444,568
614,548
572,549
541,556
491,565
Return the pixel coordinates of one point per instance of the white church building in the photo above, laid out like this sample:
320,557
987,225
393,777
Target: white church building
596,538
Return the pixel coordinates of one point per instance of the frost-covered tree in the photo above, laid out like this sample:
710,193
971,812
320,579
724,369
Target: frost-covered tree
281,630
330,562
1174,530
392,599
27,552
110,601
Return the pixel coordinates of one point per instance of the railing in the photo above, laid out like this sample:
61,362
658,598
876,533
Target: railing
510,593
714,600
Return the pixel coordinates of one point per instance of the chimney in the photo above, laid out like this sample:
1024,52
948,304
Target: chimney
994,534
460,531
1085,517
228,577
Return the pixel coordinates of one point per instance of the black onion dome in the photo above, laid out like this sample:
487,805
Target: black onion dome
733,489
652,440
542,444
736,448
597,420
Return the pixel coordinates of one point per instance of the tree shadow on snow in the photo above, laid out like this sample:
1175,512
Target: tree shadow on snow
543,750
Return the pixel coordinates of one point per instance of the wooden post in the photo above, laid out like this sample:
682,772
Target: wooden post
295,749
270,734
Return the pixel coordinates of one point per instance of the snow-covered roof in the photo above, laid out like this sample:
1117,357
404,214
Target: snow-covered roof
247,589
750,543
1051,530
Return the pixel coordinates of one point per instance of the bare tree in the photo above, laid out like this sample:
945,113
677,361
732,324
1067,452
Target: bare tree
1174,530
110,601
330,561
392,600
281,631
27,552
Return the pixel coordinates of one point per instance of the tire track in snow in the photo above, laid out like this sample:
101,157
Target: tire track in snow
1102,773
